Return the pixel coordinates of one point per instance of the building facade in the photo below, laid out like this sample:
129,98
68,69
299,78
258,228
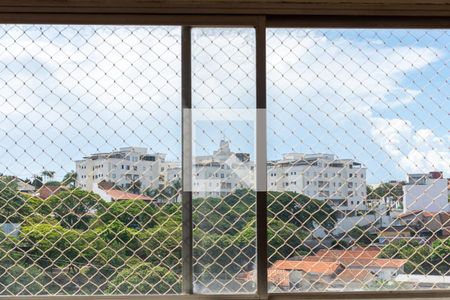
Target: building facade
222,172
341,182
128,168
426,192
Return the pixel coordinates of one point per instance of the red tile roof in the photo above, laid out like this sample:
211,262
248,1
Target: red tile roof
121,195
279,278
46,191
324,268
360,262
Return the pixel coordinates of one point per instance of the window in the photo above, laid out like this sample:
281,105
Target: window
334,96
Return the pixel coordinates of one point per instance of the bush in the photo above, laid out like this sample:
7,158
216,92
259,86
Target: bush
144,278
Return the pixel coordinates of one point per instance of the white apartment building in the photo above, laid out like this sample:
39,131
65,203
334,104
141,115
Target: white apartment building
426,192
121,167
222,172
341,182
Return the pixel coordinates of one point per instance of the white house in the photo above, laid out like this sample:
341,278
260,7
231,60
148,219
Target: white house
426,192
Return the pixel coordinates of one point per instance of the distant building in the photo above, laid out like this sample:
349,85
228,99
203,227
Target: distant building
46,191
340,182
108,193
422,226
21,185
426,192
222,173
126,168
382,268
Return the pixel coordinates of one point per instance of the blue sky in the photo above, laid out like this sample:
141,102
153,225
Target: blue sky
379,96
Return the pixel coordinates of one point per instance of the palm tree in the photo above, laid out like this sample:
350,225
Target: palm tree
70,179
37,181
48,175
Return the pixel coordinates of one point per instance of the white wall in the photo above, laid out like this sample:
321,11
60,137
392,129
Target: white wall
432,197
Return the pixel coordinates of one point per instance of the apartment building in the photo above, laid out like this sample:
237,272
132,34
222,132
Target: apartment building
123,167
426,192
222,172
341,182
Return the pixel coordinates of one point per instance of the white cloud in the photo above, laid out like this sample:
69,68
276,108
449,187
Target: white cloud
415,151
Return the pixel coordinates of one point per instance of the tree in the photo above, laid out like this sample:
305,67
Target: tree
395,191
119,237
20,280
418,255
13,206
361,236
48,174
300,210
144,278
75,208
161,244
440,257
70,179
51,244
166,193
37,181
136,214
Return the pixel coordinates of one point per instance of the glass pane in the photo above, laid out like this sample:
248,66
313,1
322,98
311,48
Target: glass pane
358,144
223,185
89,156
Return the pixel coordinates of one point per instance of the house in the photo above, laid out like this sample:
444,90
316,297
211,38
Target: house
309,275
109,193
353,279
394,233
46,191
422,225
21,185
426,192
362,260
278,279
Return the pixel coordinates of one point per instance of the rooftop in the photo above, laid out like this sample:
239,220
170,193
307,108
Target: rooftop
318,267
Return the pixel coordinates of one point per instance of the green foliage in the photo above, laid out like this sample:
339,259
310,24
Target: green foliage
13,206
418,255
19,280
167,193
161,244
119,237
300,210
133,213
70,179
285,239
144,278
75,230
73,209
441,256
37,181
386,190
226,215
361,236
